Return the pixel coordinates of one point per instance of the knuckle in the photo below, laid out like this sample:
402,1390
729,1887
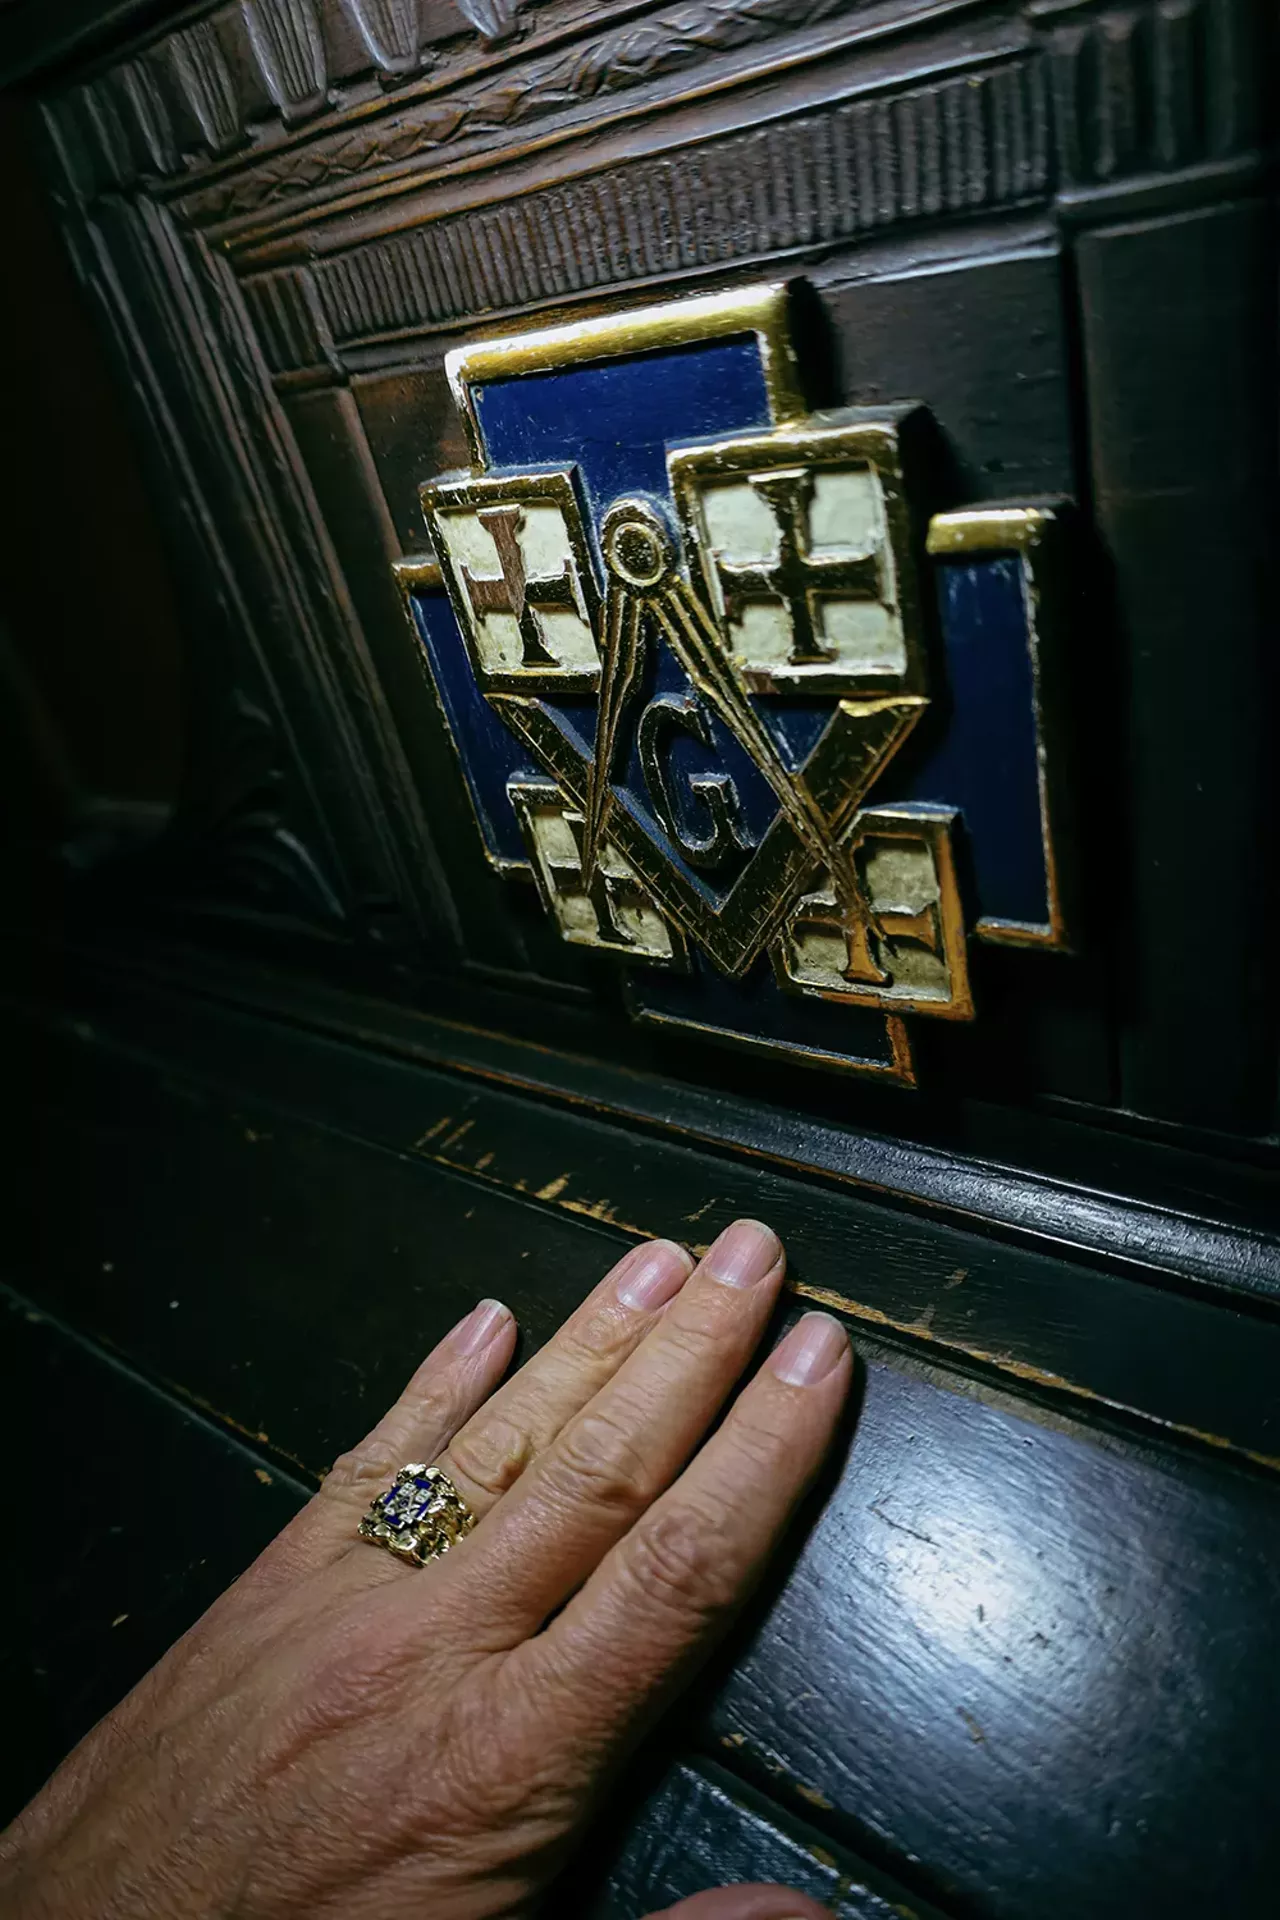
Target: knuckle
375,1461
676,1561
504,1790
597,1460
602,1338
694,1335
762,1444
362,1469
492,1453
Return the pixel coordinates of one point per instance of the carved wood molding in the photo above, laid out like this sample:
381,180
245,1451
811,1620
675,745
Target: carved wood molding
1100,97
271,627
1153,86
1149,88
296,92
582,73
230,851
969,142
860,120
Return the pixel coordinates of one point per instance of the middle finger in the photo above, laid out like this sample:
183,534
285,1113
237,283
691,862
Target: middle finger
625,1446
490,1452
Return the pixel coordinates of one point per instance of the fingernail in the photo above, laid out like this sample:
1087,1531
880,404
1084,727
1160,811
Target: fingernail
743,1254
653,1274
480,1326
809,1352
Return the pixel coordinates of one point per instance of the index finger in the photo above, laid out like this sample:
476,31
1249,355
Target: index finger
661,1596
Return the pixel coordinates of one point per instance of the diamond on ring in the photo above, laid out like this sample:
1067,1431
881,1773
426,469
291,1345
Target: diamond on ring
419,1517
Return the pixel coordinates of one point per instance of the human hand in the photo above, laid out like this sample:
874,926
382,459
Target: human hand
343,1734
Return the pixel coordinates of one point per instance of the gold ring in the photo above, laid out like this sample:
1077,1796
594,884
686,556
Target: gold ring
419,1517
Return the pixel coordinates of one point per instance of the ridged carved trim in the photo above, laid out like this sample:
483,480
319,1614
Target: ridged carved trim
974,141
204,79
287,319
1142,89
586,70
495,19
251,71
1152,86
392,31
289,47
145,113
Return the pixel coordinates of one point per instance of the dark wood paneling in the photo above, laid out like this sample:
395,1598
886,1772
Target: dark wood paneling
154,1510
1197,1206
249,236
700,1827
179,1506
1023,1661
98,645
988,1664
1179,339
1028,1318
984,341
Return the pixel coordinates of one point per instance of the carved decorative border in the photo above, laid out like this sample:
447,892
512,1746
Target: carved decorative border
588,70
936,111
273,628
1097,96
274,89
1154,85
1149,88
970,142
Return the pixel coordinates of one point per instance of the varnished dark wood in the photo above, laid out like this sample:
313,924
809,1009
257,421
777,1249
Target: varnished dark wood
179,1506
154,1510
1191,1216
702,1827
1183,509
991,1643
1023,1317
302,1070
1019,1656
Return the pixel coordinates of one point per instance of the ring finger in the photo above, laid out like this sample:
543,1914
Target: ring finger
455,1378
487,1455
450,1415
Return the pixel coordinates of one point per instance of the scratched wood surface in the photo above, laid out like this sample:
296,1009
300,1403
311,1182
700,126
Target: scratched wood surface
1093,1331
1019,1659
307,1074
106,1455
77,1632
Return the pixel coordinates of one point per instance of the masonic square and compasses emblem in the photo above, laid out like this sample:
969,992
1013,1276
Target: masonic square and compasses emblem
749,719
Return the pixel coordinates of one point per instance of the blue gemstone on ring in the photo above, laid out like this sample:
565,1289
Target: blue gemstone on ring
404,1505
419,1516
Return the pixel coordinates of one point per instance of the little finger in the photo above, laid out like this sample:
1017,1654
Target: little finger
456,1377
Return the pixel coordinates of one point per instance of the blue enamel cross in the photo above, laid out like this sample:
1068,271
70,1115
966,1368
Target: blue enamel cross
750,725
